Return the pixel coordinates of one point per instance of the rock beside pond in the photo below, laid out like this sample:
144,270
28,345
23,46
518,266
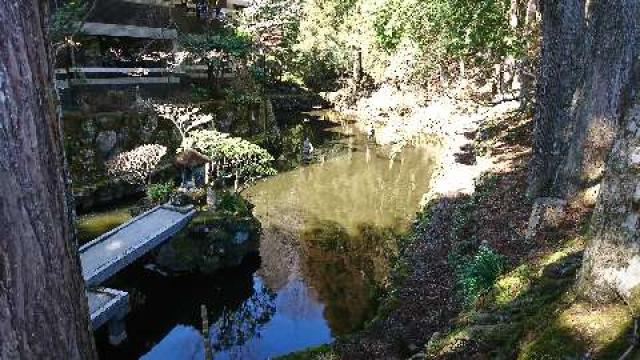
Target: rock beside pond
213,241
106,141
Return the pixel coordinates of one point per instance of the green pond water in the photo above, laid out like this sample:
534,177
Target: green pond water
335,224
330,232
92,225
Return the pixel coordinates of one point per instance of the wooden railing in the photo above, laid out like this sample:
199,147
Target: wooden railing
129,76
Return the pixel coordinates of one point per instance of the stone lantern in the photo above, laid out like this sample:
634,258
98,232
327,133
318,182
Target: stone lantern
195,168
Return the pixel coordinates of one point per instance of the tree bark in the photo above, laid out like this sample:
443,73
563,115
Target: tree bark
563,27
612,46
532,12
43,306
611,265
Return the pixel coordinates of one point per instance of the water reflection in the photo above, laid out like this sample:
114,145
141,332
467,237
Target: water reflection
265,325
334,225
348,270
297,323
330,233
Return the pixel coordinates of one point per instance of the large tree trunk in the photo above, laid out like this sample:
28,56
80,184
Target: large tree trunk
611,267
612,47
563,28
43,307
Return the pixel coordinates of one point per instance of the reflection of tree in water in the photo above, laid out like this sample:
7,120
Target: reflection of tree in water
346,213
348,271
279,255
234,328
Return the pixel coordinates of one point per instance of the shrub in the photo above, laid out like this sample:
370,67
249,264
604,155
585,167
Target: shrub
478,274
160,192
135,166
233,203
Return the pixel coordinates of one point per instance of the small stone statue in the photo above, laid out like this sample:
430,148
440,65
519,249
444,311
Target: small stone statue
307,150
211,198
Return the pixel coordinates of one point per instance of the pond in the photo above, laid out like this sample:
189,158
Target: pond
330,234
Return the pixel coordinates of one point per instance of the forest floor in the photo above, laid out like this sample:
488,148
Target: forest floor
531,310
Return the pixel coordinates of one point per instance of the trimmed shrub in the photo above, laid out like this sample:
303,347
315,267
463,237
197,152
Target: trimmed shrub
160,192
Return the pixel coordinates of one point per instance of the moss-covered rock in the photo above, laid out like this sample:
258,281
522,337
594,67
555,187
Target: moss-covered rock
214,240
93,138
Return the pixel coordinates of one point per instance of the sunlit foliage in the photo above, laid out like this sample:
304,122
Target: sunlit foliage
274,25
318,40
136,166
160,192
221,50
231,156
184,118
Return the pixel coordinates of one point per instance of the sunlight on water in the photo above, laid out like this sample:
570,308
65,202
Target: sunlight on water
93,225
330,232
332,227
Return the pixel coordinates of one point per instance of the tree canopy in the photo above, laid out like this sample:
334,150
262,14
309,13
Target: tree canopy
317,39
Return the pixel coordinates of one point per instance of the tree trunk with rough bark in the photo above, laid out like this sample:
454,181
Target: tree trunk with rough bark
611,48
43,306
563,27
611,265
611,103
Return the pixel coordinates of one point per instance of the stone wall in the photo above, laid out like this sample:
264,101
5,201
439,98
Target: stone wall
92,139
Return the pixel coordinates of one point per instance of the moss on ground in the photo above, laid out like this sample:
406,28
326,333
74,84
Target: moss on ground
322,352
532,313
579,329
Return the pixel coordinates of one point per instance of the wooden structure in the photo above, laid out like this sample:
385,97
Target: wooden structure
190,161
132,25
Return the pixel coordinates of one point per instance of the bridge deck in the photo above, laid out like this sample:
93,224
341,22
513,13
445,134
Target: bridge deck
105,304
114,250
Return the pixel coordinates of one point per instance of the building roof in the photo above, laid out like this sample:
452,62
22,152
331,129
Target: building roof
191,158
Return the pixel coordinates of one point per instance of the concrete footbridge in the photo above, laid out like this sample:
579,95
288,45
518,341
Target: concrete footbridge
113,251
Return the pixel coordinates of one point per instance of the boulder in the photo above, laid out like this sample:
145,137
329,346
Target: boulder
106,141
222,241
